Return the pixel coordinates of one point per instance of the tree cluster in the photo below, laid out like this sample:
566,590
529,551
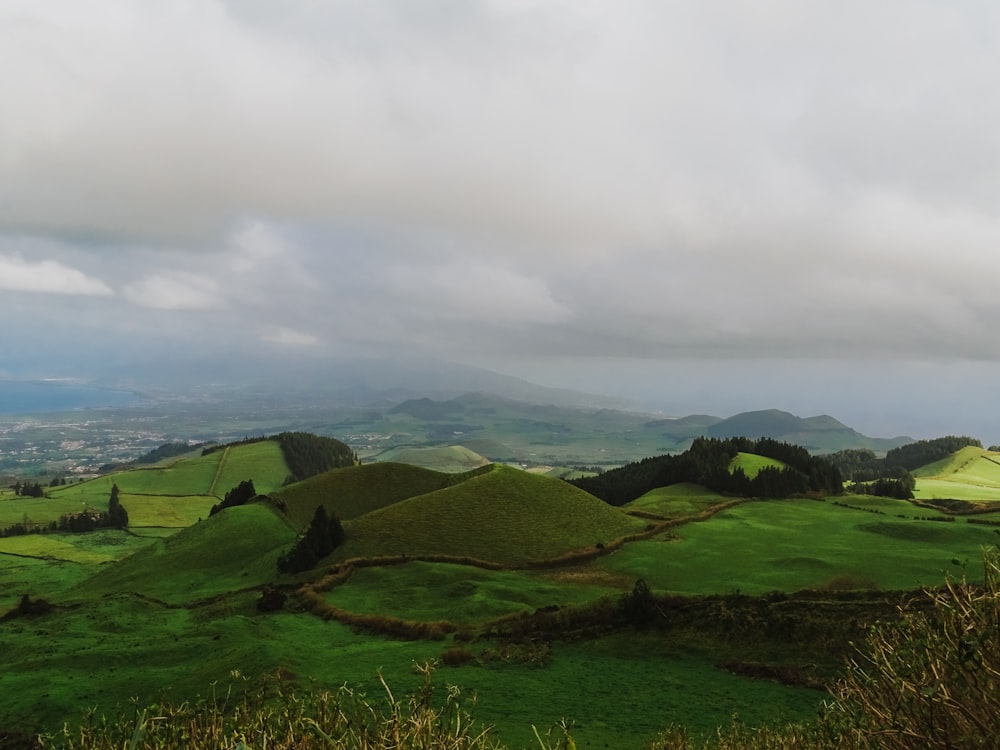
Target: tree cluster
26,489
241,494
707,462
167,450
324,535
308,455
914,455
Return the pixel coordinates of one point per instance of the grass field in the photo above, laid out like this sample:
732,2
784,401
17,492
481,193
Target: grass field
263,462
677,501
794,544
968,474
751,463
174,616
166,511
457,593
451,459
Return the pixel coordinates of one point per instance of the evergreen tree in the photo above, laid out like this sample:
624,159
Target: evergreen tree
117,517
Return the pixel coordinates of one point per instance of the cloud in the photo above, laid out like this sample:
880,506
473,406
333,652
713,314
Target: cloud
174,290
473,291
47,276
288,337
488,179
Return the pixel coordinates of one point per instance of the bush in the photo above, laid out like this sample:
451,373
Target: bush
932,679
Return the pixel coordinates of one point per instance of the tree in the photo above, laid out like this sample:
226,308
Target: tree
241,494
324,535
117,516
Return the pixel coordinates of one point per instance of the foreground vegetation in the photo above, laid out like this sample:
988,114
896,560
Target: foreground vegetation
681,608
931,679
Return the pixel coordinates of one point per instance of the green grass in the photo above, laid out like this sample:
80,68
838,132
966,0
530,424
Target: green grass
619,691
263,462
457,593
450,459
235,549
166,511
677,501
751,463
794,544
968,474
52,547
353,491
503,515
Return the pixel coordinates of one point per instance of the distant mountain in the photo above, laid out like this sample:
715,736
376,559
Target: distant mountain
510,430
822,434
379,382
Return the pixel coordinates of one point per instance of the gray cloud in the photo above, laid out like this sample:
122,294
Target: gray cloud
496,179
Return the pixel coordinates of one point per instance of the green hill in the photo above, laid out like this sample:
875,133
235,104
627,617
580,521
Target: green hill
235,549
677,500
503,515
971,474
452,458
356,490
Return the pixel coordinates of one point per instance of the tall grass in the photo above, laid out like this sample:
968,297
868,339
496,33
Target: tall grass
279,717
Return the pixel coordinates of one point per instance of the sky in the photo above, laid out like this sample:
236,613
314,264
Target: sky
707,206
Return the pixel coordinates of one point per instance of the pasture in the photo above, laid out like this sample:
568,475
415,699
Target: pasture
786,545
176,616
971,474
457,593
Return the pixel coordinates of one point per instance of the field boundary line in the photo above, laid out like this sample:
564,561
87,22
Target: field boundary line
218,471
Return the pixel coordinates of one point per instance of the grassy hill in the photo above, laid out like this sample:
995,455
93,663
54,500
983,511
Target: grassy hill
357,490
971,474
451,458
235,549
677,500
503,515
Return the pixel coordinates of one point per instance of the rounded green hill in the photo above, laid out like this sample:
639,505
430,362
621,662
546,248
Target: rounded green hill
501,515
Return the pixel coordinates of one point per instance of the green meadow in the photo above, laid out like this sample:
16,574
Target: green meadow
787,545
168,607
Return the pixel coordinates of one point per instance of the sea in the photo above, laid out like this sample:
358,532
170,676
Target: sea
41,396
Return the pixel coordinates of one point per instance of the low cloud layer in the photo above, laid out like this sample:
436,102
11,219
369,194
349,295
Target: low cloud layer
504,181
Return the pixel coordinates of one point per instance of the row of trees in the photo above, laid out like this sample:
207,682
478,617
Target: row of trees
89,519
707,462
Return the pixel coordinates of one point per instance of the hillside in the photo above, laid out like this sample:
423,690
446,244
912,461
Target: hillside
502,515
357,490
971,474
235,549
446,458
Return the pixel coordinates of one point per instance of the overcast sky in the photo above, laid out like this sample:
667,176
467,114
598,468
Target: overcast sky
716,206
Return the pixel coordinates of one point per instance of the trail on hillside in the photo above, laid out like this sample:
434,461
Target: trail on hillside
218,471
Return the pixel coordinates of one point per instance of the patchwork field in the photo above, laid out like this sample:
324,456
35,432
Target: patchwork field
177,615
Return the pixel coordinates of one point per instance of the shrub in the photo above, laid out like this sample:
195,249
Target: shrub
932,679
